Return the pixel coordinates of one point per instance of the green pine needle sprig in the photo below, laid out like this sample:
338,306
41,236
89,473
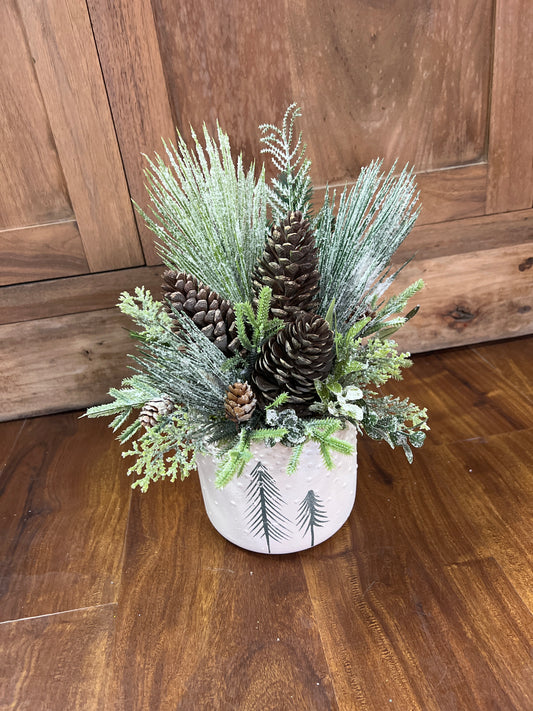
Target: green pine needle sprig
209,215
356,245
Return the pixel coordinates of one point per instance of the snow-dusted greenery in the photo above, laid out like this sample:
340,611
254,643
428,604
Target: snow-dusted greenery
208,214
292,189
211,218
356,241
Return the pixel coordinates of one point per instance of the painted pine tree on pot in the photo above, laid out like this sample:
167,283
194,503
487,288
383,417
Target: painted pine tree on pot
265,357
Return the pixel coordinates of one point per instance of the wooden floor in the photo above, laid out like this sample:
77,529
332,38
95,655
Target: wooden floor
111,599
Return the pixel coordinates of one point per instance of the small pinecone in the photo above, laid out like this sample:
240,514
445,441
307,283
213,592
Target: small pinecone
213,315
292,359
289,266
155,409
240,402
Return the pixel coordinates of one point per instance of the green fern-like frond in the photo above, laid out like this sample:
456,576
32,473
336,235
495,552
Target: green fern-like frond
292,189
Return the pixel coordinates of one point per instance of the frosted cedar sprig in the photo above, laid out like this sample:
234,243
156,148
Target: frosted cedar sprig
291,190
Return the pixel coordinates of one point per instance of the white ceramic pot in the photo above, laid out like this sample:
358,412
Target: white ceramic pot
266,511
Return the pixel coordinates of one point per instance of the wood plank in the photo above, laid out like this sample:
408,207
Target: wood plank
492,611
510,152
32,187
477,297
9,434
397,626
409,80
85,356
101,291
57,661
464,396
513,360
130,58
66,63
473,497
460,237
64,503
91,292
87,352
44,251
223,629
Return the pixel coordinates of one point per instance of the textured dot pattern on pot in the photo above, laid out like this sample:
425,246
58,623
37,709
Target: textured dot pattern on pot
267,511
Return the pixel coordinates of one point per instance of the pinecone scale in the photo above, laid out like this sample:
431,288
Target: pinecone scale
289,266
292,359
240,402
213,315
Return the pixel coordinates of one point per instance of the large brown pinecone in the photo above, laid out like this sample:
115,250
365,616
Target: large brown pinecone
240,402
292,359
289,266
213,315
155,409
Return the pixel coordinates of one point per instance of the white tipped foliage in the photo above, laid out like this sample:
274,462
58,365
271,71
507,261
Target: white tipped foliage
356,246
291,190
209,214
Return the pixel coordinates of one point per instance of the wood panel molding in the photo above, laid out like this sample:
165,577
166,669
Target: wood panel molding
91,292
511,138
45,251
58,31
32,186
131,62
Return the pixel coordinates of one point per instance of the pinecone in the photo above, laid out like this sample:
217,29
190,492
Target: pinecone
289,266
292,359
240,402
155,409
213,315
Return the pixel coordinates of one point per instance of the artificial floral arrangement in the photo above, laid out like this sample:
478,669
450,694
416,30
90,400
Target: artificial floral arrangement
273,326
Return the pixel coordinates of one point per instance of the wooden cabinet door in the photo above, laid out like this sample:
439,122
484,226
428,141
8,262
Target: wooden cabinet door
445,85
64,202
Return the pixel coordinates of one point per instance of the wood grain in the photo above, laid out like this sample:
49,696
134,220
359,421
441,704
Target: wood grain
226,629
421,601
447,194
57,662
513,360
412,530
85,356
67,68
448,383
476,297
64,508
510,152
131,62
374,79
484,295
32,187
460,237
91,292
41,252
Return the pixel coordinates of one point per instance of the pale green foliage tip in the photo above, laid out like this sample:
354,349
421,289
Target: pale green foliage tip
209,214
356,245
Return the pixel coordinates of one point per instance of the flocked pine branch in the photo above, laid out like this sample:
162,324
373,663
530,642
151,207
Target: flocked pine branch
292,189
356,245
209,215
